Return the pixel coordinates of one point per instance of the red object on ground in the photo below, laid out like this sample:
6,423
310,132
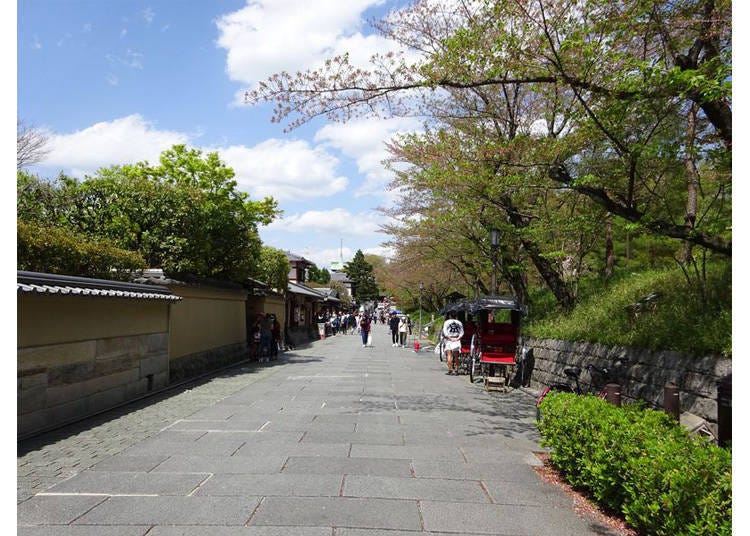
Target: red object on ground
416,346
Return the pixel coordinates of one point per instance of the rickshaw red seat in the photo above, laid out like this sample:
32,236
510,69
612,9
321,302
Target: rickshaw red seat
499,344
469,331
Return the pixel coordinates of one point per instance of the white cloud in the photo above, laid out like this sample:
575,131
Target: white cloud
131,59
334,222
122,141
148,15
284,169
314,228
364,141
268,36
64,39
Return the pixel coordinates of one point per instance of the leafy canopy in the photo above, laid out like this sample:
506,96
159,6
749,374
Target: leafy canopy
184,214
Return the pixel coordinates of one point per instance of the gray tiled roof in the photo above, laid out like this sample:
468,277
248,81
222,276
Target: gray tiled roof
38,283
296,288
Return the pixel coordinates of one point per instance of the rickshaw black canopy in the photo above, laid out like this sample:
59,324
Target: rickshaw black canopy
483,303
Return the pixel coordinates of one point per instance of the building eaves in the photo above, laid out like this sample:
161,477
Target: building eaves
296,258
295,288
341,277
53,284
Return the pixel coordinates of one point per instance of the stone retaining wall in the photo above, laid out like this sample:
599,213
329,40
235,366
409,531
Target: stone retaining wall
199,363
61,383
644,376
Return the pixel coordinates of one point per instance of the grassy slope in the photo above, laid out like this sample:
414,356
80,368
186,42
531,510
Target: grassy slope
681,320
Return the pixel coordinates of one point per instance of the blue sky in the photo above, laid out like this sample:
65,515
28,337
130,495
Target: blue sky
118,81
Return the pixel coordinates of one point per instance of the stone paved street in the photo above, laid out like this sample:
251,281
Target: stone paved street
332,439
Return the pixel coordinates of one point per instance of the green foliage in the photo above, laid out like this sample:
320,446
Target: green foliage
59,251
273,268
318,275
360,272
641,463
184,215
688,318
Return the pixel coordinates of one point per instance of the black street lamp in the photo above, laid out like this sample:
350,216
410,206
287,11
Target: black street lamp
421,288
494,243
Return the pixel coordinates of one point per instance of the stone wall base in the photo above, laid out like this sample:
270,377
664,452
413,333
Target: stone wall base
301,336
93,377
644,376
194,365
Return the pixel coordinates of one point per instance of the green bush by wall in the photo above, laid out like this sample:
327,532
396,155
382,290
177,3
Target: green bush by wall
641,463
59,251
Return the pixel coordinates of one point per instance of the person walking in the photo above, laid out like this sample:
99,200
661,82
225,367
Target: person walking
264,325
452,332
364,328
275,337
393,324
403,331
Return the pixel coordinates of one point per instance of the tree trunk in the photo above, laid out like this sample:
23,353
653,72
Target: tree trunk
554,281
691,174
609,262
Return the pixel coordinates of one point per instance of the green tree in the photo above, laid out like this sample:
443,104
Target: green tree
273,268
360,272
617,82
319,275
343,295
184,215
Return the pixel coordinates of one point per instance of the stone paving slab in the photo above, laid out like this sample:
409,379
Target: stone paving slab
355,438
121,462
414,488
55,509
407,452
347,466
501,519
221,464
261,450
238,425
71,530
129,483
530,494
508,471
171,511
240,531
286,485
338,512
191,448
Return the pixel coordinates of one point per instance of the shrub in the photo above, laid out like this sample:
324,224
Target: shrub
59,251
641,463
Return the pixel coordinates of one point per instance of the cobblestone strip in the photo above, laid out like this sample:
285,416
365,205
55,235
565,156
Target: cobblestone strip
55,456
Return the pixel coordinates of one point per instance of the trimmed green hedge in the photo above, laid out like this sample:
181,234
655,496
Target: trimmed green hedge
641,463
59,251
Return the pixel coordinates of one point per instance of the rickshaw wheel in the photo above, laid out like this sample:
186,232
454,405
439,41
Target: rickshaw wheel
473,369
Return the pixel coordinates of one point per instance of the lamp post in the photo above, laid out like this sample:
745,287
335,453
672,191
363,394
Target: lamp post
494,243
421,288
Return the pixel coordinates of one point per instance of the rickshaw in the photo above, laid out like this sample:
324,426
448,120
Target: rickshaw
496,346
490,347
